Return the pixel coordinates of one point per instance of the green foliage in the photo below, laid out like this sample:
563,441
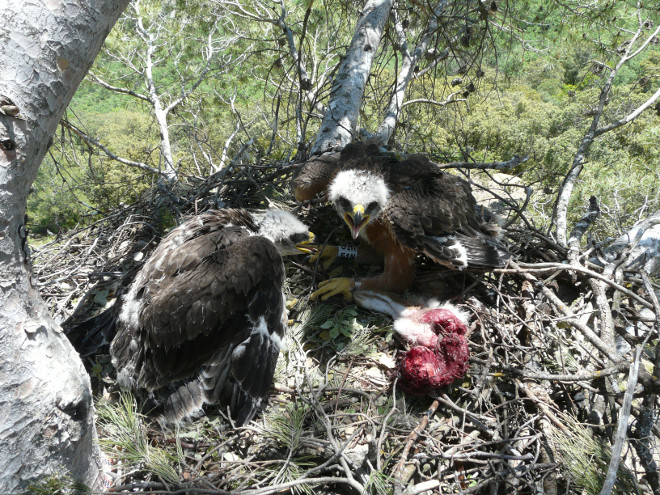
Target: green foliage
285,427
58,201
343,323
586,459
57,485
125,439
534,86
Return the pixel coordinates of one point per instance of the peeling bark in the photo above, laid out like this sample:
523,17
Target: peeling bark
340,119
386,129
46,421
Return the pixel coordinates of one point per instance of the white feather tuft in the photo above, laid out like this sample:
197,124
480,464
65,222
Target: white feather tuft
359,187
278,225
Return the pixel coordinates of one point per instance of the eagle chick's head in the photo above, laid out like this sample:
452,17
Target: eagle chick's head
359,196
289,234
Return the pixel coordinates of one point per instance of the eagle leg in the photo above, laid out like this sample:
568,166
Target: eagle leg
326,256
397,275
334,286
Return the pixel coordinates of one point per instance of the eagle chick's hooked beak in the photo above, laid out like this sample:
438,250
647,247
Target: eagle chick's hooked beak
356,220
307,246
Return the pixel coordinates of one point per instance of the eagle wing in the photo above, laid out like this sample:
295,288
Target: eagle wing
208,300
435,214
436,204
313,176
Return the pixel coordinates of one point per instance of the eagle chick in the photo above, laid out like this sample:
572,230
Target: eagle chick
399,209
204,318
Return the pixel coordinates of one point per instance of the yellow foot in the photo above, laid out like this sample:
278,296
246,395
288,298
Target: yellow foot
334,286
326,256
290,304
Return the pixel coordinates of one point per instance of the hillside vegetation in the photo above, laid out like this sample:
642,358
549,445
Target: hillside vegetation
530,93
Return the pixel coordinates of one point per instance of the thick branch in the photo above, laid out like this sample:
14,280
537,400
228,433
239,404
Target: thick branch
159,112
386,128
45,395
622,428
630,117
340,119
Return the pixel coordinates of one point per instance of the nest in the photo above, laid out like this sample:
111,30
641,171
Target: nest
563,369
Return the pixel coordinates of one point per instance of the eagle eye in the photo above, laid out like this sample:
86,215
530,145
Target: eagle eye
298,237
344,203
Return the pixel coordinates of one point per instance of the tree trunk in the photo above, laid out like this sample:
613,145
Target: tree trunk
159,112
340,119
409,60
46,421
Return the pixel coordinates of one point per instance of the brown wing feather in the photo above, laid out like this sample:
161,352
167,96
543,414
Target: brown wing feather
313,176
209,289
194,312
431,205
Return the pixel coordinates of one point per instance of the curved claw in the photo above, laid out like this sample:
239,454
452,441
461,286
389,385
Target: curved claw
334,286
326,256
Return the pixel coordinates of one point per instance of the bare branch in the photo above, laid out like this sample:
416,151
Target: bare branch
622,428
117,89
450,99
630,117
108,153
566,189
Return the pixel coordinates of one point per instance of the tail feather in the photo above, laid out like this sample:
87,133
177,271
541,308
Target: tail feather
185,402
484,252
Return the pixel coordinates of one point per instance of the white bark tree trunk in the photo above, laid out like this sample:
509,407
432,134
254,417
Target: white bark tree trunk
407,71
340,119
46,422
159,112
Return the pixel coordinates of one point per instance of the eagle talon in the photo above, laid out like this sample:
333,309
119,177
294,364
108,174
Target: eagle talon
326,255
333,287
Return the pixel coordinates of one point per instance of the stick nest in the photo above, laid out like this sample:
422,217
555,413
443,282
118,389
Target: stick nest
552,338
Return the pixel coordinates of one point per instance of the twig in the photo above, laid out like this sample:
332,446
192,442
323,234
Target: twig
412,438
624,416
646,418
544,407
548,267
571,318
557,377
507,165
